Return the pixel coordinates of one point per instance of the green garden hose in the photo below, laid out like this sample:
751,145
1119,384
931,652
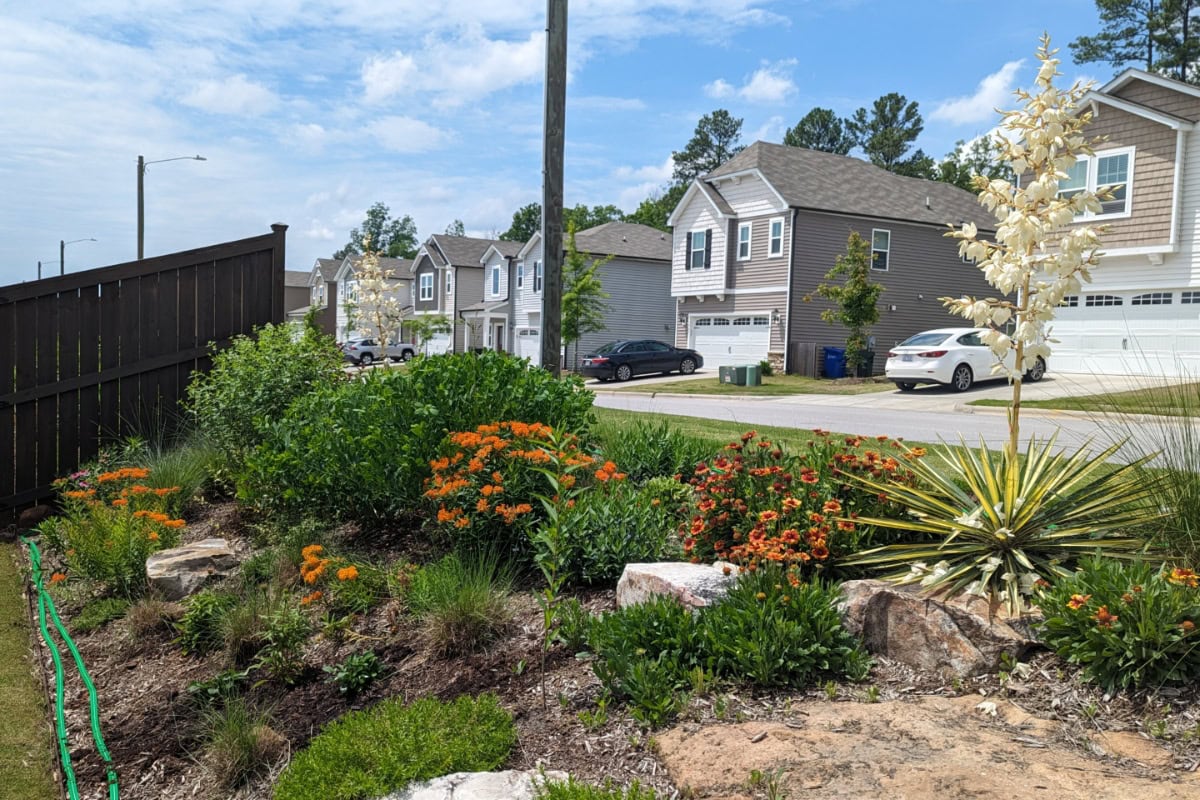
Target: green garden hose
44,602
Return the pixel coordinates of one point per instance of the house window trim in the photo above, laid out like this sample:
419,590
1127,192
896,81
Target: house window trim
449,283
538,277
748,227
1152,299
772,241
495,280
1090,184
426,286
887,251
692,251
521,275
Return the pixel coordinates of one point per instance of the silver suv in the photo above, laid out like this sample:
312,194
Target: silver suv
366,351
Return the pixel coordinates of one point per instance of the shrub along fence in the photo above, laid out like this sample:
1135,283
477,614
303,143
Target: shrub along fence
102,353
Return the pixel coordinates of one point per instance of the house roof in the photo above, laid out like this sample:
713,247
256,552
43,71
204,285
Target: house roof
627,240
294,277
328,268
401,268
1138,109
812,179
504,248
486,306
459,251
1134,73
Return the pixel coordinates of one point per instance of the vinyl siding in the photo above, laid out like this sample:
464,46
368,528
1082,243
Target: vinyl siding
750,196
734,305
698,216
1160,98
923,265
467,290
640,305
761,270
495,260
425,267
527,301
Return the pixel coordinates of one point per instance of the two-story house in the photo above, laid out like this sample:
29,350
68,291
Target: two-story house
489,321
754,238
447,278
321,292
1141,312
637,279
349,320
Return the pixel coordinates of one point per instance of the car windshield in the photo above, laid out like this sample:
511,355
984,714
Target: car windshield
608,348
924,339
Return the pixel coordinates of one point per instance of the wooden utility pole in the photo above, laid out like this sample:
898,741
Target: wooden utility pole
554,135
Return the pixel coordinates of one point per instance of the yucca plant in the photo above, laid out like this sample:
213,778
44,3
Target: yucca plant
994,524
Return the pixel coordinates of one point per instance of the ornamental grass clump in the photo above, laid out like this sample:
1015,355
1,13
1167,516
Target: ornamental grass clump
1129,625
346,587
463,601
1001,524
755,504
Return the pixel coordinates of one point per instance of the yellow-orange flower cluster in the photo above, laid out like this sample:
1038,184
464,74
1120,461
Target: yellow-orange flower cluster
57,577
1184,577
313,566
125,473
347,573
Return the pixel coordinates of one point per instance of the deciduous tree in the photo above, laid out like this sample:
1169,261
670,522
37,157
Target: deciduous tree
395,238
583,306
855,296
526,221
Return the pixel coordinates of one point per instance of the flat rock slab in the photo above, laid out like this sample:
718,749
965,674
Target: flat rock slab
695,585
507,785
181,571
954,637
932,748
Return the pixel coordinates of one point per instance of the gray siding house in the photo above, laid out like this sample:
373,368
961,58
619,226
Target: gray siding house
637,280
447,280
321,293
754,238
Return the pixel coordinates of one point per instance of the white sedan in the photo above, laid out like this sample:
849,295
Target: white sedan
954,357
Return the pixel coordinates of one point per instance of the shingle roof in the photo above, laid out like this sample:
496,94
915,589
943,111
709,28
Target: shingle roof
625,239
294,277
462,251
400,267
328,268
507,248
829,182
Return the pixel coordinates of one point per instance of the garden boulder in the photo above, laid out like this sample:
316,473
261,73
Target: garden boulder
695,585
181,571
508,785
954,637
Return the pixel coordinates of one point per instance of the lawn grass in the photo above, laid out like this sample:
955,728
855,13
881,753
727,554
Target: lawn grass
25,754
1171,401
774,386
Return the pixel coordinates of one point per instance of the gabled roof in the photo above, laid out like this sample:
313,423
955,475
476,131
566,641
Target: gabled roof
625,239
327,268
501,247
1133,74
294,277
458,251
811,179
1138,109
401,268
711,195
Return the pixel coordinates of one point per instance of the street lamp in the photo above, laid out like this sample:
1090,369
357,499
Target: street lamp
142,163
62,249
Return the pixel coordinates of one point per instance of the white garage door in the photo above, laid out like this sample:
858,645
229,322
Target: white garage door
1128,333
731,339
437,344
529,345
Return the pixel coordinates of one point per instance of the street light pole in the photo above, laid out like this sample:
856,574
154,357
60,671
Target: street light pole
141,196
62,260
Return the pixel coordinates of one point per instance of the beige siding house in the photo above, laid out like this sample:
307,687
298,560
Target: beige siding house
754,238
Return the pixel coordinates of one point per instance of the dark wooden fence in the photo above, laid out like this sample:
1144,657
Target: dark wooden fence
96,355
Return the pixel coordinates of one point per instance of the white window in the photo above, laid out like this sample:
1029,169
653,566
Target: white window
776,239
495,280
881,246
741,321
1189,298
427,286
703,322
698,244
762,320
1109,168
720,321
537,276
744,230
1095,300
1070,301
1152,299
449,282
520,275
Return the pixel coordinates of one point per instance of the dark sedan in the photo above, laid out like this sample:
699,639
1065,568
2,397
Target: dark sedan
622,360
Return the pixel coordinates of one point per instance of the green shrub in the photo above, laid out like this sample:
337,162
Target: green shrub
201,629
382,749
647,450
254,380
765,632
282,655
574,622
570,790
356,672
622,525
766,368
361,449
463,601
245,625
219,688
239,741
99,612
1129,625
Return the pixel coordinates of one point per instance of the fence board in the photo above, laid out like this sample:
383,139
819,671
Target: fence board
96,354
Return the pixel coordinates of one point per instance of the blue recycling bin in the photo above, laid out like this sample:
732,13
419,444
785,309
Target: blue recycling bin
835,362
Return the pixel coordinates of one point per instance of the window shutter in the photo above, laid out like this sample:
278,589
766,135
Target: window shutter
708,248
687,250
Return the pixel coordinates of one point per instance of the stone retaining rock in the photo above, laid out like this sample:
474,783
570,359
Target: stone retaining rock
507,785
181,571
956,637
695,585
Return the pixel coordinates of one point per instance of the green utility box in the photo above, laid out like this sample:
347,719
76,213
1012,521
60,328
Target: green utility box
753,375
733,375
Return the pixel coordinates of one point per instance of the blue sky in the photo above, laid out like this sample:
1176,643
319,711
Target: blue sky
309,112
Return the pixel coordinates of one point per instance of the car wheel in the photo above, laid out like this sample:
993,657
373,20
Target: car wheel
687,366
905,386
407,355
624,372
1037,372
962,378
365,359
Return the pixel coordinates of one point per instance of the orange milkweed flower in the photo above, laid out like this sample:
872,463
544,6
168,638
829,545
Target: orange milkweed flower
57,577
120,502
311,597
347,573
152,536
173,523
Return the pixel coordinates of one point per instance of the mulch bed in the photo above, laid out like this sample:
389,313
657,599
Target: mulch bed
151,725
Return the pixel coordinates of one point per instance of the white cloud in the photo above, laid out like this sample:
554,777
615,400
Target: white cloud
405,134
770,131
655,173
769,84
234,95
994,91
601,103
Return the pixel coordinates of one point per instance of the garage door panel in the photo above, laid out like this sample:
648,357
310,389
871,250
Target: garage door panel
1162,339
730,339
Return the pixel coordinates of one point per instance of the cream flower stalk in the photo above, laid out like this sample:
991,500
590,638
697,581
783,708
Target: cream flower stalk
377,299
